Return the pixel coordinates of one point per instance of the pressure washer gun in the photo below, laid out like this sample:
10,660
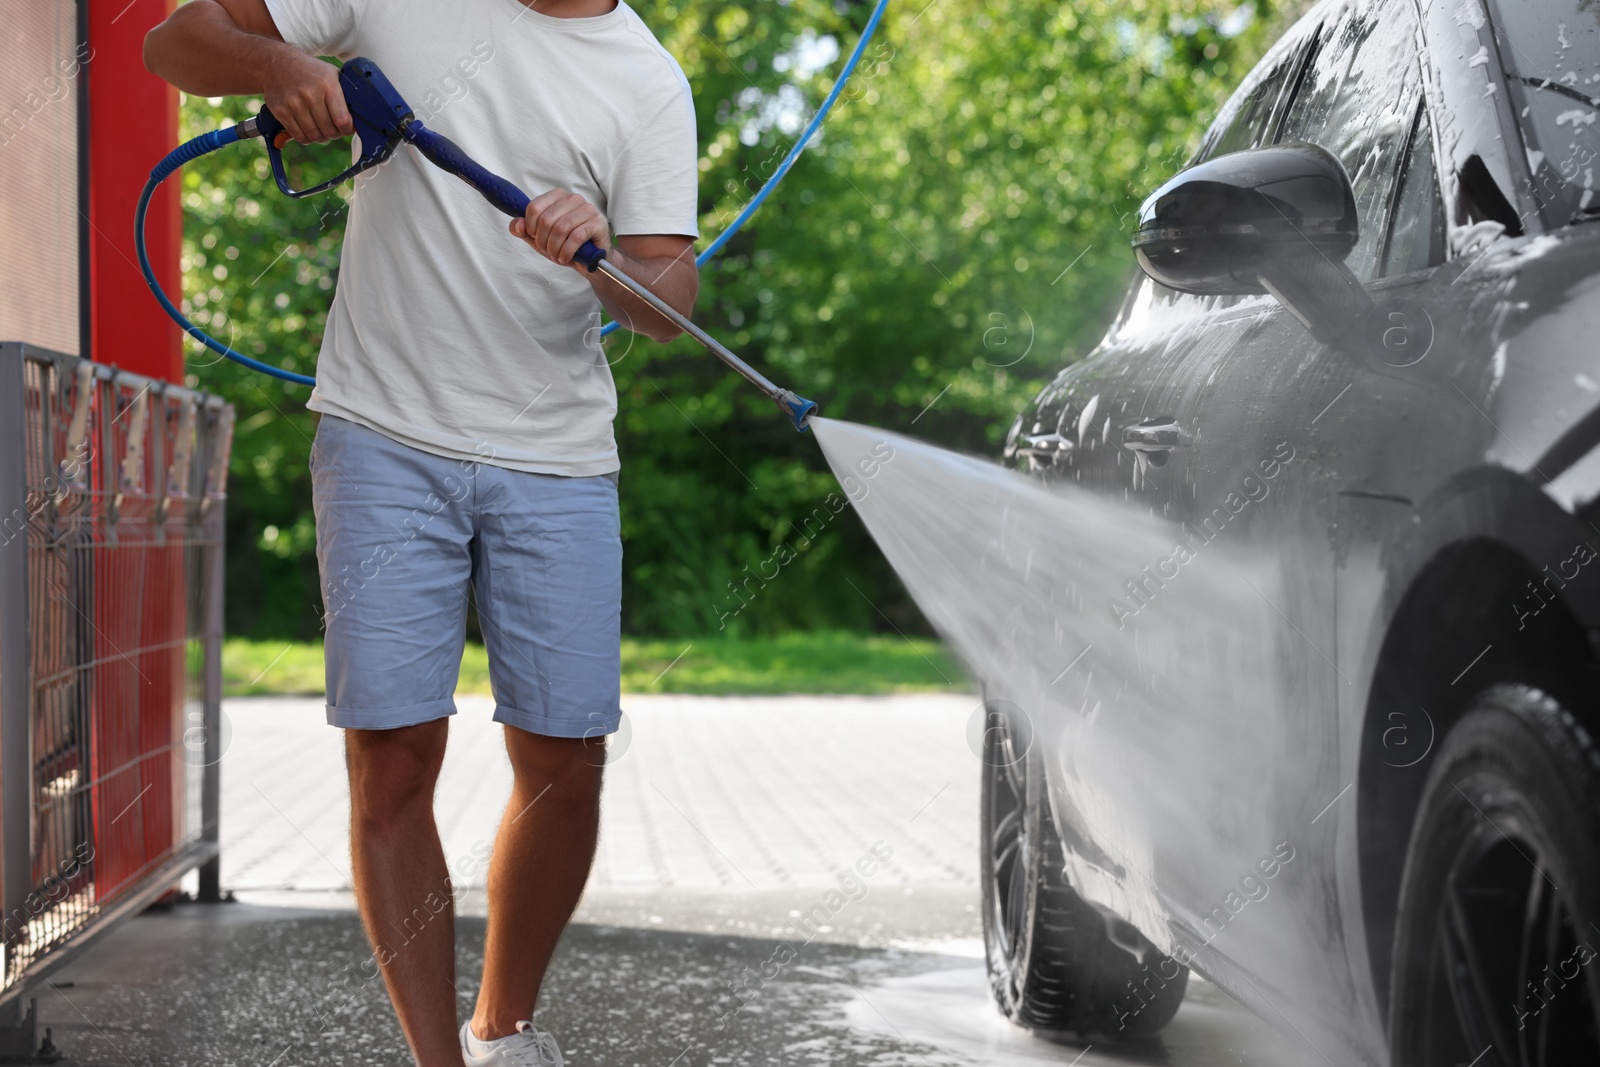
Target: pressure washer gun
383,121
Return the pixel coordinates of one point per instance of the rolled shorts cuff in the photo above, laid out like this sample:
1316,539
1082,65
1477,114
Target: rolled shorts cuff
596,725
390,718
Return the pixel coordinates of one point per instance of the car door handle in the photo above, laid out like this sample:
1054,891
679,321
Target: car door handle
1154,439
1043,448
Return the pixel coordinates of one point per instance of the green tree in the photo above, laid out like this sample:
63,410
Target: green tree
956,235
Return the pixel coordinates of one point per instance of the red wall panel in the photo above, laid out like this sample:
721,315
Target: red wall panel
139,589
133,122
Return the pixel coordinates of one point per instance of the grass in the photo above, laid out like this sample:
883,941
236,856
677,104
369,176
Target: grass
794,663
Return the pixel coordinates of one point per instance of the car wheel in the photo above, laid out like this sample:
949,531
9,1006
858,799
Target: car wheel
1055,962
1497,919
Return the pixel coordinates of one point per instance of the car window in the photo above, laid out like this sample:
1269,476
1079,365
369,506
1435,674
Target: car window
1357,100
1416,231
1550,52
1249,118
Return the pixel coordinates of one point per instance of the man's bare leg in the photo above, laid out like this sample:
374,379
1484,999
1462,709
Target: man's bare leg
541,861
402,882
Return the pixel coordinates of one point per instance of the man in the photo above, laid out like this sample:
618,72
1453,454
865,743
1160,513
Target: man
466,436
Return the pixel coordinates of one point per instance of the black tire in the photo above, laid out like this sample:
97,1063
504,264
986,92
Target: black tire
1055,962
1498,919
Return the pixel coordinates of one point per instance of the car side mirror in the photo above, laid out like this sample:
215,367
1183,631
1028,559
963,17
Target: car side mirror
1279,219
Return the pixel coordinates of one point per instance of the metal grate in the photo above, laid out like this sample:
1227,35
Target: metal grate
109,672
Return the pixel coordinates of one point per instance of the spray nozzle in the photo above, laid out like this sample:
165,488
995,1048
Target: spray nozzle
798,408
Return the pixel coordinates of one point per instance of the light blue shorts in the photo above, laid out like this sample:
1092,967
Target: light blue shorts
401,533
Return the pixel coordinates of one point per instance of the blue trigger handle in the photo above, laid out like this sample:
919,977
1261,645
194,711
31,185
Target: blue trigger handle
377,114
448,156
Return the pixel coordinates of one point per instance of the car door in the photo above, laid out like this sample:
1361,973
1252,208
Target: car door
1270,457
1206,413
1282,430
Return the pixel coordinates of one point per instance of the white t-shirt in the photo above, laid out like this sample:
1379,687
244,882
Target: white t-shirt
447,333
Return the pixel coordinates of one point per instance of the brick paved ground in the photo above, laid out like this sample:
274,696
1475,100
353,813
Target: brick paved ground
703,794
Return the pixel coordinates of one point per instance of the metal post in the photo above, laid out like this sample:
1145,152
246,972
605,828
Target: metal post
212,572
16,748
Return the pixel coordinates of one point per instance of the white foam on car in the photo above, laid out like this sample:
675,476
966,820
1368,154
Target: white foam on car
1167,721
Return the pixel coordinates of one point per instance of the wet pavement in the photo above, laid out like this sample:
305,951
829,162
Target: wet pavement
709,934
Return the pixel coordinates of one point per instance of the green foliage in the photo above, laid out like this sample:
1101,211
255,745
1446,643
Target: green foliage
955,235
826,662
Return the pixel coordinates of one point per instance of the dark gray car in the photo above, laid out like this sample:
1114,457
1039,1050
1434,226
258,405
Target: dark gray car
1375,296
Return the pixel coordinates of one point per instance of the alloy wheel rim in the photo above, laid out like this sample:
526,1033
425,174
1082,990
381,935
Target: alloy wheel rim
1011,841
1509,982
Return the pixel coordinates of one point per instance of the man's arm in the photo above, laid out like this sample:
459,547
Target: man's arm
557,224
233,48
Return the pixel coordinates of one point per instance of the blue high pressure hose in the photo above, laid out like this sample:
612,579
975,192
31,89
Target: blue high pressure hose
194,149
376,149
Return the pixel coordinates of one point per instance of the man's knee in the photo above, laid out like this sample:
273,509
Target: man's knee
570,767
391,770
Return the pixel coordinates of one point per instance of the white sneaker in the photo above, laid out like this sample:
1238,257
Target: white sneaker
525,1048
